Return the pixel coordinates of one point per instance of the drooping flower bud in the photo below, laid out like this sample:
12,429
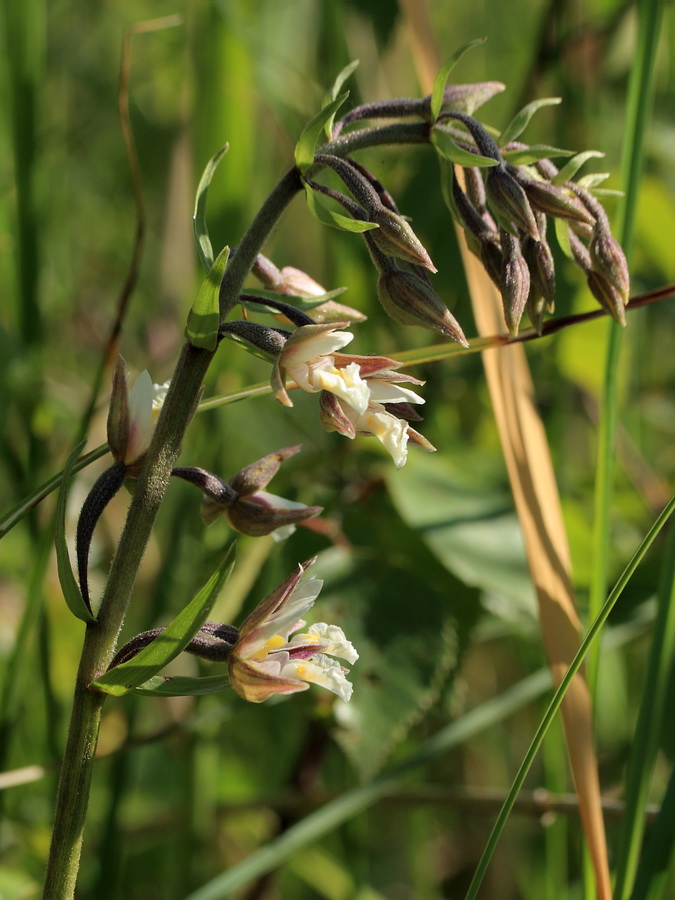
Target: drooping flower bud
515,282
509,203
248,508
408,299
132,417
553,201
395,238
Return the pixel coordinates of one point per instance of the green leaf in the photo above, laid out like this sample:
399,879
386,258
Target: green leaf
408,650
572,166
334,93
318,206
442,77
451,150
299,302
69,586
201,231
533,153
563,236
129,675
447,175
182,686
304,149
204,317
521,120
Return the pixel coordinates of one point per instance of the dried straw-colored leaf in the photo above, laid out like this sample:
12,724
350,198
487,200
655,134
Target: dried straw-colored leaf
537,502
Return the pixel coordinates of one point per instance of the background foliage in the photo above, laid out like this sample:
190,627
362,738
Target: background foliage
424,567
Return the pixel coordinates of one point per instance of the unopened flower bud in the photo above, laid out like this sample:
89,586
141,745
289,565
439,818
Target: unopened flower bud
395,238
509,203
411,301
515,282
554,201
608,260
540,261
607,296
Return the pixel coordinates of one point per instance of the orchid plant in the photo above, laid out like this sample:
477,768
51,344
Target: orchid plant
504,194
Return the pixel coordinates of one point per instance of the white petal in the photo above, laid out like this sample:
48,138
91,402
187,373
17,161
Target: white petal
311,348
385,392
332,639
140,416
159,392
276,501
390,431
321,670
347,384
282,533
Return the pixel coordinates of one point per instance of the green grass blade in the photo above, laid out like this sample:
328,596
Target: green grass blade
650,881
555,703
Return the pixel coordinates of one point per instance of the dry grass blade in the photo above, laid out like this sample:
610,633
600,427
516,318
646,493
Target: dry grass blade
535,492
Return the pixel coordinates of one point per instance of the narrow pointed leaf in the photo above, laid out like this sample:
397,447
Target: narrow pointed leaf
334,93
304,149
176,636
321,211
442,77
201,232
521,120
572,166
590,182
533,153
69,585
452,151
563,236
300,302
182,686
204,317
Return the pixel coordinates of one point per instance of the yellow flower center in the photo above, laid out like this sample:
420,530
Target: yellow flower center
273,643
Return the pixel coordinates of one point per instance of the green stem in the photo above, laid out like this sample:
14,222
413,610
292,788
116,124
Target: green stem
101,636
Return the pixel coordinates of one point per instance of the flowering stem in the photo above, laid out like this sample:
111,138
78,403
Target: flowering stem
180,404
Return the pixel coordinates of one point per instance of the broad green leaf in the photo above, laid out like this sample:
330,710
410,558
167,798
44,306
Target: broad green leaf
201,231
563,236
129,675
334,93
533,153
408,621
319,208
69,586
451,150
306,146
204,317
572,166
521,120
182,686
442,78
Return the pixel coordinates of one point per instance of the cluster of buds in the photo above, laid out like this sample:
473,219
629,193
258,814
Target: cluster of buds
504,210
263,656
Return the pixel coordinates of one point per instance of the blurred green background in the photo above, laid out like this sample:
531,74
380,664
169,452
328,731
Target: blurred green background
424,567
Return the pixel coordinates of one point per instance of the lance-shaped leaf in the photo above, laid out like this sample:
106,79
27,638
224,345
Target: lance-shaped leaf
521,120
201,231
526,155
182,686
69,586
572,166
175,637
319,208
451,150
334,93
304,149
442,77
204,317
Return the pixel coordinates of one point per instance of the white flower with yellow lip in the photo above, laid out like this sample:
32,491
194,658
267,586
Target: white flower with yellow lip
266,660
307,360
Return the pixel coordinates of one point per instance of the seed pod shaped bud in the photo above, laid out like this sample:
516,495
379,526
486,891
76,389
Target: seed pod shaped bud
509,203
294,282
535,307
475,191
258,474
515,282
607,296
608,259
268,340
542,267
490,255
409,300
395,238
554,201
414,437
